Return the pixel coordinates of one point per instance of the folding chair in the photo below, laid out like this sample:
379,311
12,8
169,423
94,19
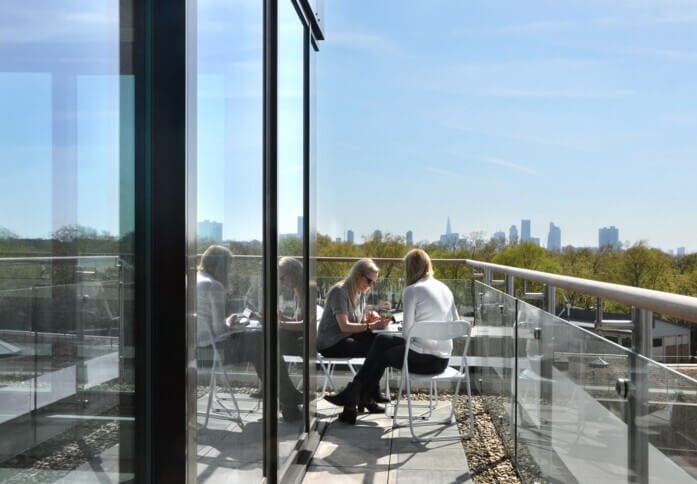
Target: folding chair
436,330
224,412
328,365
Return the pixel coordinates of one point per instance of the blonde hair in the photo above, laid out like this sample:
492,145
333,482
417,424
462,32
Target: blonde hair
291,269
361,268
417,264
215,262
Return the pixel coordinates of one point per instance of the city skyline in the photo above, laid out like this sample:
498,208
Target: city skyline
580,113
554,230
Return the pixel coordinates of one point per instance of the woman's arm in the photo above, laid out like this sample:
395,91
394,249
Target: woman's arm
291,325
409,306
216,295
347,326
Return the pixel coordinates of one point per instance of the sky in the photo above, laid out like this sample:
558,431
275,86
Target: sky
581,113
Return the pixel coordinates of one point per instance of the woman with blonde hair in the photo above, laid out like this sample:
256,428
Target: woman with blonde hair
344,330
212,283
425,299
345,327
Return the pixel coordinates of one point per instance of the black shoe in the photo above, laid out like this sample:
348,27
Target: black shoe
294,397
370,407
349,415
291,413
367,402
377,396
348,397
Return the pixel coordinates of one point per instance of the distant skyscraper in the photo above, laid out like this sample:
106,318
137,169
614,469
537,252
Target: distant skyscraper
513,235
410,237
609,236
338,240
449,238
377,235
554,237
300,227
525,230
349,236
210,230
681,251
535,241
500,237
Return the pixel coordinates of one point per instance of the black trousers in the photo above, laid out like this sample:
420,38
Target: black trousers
388,350
355,346
248,347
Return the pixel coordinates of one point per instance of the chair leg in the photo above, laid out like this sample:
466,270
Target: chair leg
212,394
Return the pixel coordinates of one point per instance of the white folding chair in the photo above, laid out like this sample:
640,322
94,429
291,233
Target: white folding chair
223,412
436,330
329,364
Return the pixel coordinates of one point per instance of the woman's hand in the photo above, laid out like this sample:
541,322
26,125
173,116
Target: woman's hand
381,323
371,316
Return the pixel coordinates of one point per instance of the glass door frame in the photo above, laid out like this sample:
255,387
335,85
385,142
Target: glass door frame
165,236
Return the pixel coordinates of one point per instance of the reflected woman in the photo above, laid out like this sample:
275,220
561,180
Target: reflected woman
240,345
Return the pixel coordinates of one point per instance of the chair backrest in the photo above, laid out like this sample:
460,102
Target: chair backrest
440,330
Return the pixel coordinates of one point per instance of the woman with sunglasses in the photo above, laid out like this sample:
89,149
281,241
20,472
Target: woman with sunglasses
345,328
425,299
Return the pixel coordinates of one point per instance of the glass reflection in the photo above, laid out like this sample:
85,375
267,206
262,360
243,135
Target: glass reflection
228,216
290,222
66,330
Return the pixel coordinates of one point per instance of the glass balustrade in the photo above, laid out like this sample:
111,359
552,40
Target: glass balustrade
62,365
552,389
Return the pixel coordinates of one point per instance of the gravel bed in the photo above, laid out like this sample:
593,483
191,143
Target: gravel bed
64,452
486,455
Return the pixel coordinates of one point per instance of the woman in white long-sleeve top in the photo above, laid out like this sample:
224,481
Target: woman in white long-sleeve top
425,299
237,346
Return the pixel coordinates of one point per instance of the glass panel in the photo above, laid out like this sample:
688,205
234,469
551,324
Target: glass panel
228,216
570,414
66,252
493,349
290,227
311,266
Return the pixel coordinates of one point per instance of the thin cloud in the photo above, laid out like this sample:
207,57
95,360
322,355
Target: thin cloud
511,165
544,26
361,41
447,173
666,54
539,27
550,93
677,19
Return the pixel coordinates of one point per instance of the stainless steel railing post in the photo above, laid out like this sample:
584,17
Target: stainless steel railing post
637,404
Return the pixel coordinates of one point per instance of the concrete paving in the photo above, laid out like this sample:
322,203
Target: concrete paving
373,452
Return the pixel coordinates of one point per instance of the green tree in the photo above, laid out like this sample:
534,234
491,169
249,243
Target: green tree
649,268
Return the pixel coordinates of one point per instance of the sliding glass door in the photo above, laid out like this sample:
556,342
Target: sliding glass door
67,109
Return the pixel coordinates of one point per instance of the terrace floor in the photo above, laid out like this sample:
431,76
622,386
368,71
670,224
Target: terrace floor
373,452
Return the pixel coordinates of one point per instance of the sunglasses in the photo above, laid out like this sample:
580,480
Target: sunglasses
369,280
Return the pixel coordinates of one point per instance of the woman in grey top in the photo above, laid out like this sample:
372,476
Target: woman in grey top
344,330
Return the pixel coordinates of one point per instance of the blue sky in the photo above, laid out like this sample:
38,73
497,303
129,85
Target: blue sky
581,113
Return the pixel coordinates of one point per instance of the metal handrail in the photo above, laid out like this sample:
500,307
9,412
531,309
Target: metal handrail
675,305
